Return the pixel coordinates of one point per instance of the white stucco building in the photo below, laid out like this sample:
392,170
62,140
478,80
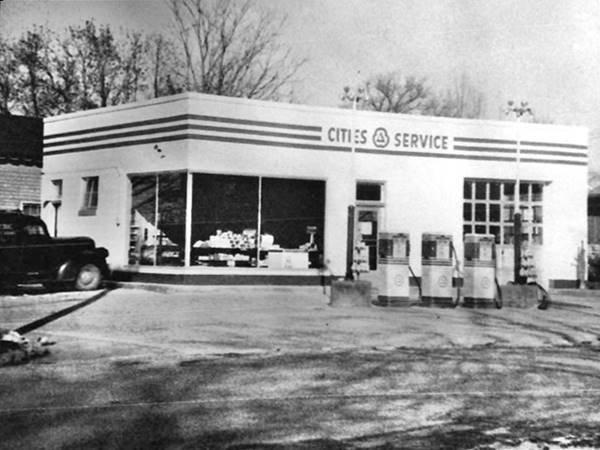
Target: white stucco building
183,186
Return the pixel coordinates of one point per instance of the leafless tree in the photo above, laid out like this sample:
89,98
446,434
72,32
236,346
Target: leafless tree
392,92
462,100
232,48
131,82
98,62
164,70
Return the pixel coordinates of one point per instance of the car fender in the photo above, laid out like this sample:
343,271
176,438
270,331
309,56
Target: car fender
68,271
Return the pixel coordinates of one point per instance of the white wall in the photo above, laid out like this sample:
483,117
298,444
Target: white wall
423,193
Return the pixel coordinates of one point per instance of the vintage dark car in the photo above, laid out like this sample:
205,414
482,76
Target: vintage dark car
28,255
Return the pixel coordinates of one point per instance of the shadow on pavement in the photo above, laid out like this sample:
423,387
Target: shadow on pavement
58,314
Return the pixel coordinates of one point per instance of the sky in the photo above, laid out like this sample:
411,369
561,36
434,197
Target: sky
546,52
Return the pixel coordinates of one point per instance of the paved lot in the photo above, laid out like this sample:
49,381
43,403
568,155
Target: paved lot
255,367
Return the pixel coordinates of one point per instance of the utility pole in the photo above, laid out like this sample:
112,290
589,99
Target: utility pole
519,111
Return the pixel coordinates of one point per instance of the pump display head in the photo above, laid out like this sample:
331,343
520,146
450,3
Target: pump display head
480,247
436,246
393,245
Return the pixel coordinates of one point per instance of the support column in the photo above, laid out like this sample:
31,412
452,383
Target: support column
350,244
188,219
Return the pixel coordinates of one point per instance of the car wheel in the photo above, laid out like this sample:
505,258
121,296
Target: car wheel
88,278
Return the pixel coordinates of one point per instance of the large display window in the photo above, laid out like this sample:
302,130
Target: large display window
236,221
293,213
246,221
157,231
224,220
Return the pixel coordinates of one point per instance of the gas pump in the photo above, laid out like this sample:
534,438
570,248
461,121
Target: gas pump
394,250
480,286
437,270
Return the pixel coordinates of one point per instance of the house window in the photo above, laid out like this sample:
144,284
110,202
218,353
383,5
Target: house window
488,208
31,208
90,197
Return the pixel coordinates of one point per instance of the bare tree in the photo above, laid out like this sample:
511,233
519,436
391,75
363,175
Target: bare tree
131,82
394,93
232,48
462,100
98,62
165,72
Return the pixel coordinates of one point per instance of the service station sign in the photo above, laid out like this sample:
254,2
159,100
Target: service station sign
382,138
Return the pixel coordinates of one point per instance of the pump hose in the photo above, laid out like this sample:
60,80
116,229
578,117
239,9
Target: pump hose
498,296
545,302
418,283
457,270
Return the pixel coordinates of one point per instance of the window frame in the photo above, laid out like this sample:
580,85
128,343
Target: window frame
90,196
530,202
24,204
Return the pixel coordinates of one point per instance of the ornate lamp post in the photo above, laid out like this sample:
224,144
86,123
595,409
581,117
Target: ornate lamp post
355,97
519,111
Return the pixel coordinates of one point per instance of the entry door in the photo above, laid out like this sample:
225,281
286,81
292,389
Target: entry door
366,231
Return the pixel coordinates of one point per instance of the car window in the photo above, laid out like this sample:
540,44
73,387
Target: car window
8,235
34,229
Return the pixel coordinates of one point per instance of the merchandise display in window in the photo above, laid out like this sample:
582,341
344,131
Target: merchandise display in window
236,221
245,221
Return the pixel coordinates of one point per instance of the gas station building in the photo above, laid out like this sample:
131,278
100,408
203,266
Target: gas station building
196,188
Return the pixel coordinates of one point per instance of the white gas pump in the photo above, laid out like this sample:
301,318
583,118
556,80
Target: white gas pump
480,286
392,267
437,270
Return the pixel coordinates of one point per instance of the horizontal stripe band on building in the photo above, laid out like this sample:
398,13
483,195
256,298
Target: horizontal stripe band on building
436,262
182,137
163,120
393,261
485,149
554,144
298,145
183,127
486,264
522,151
523,143
553,153
470,157
485,141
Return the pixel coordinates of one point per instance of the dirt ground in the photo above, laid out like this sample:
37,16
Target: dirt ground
277,367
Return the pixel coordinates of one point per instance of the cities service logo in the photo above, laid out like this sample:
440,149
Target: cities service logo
381,138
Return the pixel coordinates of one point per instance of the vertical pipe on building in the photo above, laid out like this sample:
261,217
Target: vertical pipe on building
156,232
188,219
259,219
350,244
517,213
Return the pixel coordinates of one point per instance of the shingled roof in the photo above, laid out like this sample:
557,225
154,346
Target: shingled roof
21,140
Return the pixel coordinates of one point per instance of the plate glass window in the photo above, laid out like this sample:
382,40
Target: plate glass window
488,207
